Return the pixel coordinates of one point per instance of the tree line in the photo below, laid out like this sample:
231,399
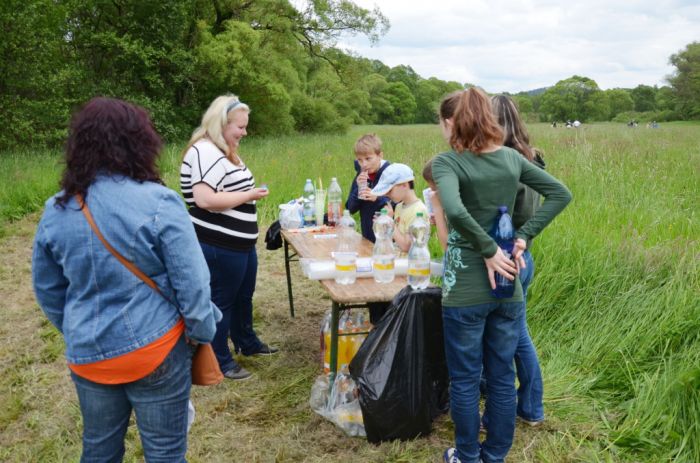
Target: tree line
174,57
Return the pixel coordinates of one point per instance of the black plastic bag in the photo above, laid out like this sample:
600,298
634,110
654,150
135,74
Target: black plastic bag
401,369
273,237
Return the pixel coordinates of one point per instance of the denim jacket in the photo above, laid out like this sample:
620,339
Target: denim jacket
100,307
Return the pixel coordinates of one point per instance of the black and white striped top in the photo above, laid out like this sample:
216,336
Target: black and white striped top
235,228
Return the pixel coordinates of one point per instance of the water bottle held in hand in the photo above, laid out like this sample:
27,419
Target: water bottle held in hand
418,254
503,233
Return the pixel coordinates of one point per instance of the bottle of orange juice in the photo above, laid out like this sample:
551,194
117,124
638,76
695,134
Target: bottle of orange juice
326,343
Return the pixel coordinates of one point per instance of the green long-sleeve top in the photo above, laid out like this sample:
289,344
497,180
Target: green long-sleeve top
472,187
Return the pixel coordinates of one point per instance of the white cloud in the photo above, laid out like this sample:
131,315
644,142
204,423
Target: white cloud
512,45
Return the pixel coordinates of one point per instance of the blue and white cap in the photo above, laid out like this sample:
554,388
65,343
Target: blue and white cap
394,174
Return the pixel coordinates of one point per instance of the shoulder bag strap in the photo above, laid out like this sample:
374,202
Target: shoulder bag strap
127,263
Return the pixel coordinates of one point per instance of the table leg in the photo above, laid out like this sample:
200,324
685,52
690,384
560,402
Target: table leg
335,315
289,278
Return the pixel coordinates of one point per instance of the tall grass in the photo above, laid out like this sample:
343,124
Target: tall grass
615,305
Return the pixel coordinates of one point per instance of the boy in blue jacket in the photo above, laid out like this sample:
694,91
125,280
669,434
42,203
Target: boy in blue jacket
369,165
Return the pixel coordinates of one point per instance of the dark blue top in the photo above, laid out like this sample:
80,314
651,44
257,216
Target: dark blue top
366,208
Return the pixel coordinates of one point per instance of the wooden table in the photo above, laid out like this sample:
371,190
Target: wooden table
344,297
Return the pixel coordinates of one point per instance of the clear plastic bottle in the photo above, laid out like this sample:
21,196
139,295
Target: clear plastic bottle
335,201
383,255
418,254
309,199
346,251
326,343
502,232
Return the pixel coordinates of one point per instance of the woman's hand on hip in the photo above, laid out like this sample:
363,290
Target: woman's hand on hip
501,264
519,247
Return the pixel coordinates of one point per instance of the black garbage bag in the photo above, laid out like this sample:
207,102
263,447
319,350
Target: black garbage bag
400,369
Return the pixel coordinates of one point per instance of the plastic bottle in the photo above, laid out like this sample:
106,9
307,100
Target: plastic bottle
502,232
383,254
346,252
358,337
335,201
343,328
309,199
418,254
326,343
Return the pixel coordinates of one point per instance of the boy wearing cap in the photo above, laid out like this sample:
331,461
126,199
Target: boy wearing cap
397,184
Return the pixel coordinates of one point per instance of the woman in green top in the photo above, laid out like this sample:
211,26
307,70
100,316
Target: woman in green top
474,179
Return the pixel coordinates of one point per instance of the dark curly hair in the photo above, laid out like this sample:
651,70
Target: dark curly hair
113,137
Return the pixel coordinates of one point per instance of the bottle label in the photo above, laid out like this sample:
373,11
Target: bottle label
419,271
384,266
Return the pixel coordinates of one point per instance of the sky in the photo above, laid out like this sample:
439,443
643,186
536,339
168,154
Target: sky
519,45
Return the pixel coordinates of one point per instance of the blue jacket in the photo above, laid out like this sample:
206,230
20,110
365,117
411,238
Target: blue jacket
366,208
100,307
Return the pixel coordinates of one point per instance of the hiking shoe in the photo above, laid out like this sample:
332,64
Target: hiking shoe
450,456
264,349
237,373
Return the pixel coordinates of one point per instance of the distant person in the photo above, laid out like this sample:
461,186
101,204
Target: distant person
369,167
222,197
126,345
554,124
474,179
397,183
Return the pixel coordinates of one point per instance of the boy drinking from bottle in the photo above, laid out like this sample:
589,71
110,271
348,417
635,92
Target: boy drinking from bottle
369,165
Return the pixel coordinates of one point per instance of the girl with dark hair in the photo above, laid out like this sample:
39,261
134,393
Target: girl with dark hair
530,390
126,345
474,179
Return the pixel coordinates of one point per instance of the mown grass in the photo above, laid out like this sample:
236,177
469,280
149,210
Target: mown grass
614,311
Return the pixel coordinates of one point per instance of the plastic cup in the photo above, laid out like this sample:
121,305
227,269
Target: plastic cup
320,206
428,199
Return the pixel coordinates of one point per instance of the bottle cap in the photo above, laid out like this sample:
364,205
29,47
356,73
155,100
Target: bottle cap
419,214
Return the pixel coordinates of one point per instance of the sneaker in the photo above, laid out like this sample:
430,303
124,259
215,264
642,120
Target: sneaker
264,349
530,423
450,456
237,373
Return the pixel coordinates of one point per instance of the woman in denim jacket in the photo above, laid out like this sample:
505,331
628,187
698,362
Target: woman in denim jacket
126,345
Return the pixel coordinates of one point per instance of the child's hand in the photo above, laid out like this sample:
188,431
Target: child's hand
361,180
366,195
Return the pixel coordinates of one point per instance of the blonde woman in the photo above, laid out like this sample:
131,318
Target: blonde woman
220,192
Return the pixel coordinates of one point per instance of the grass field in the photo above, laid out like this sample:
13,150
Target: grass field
614,311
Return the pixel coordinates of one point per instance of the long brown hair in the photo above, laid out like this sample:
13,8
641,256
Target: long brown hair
516,135
474,126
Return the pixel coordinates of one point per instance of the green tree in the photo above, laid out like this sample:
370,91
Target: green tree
685,81
620,101
644,98
567,99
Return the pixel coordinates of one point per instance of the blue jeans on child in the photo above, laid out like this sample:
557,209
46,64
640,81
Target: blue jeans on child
484,335
159,401
233,275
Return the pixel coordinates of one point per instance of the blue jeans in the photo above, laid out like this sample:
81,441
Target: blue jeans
159,401
527,365
475,336
233,275
530,391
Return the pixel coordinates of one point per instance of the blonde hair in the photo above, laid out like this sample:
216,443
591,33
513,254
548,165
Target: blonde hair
369,143
215,118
